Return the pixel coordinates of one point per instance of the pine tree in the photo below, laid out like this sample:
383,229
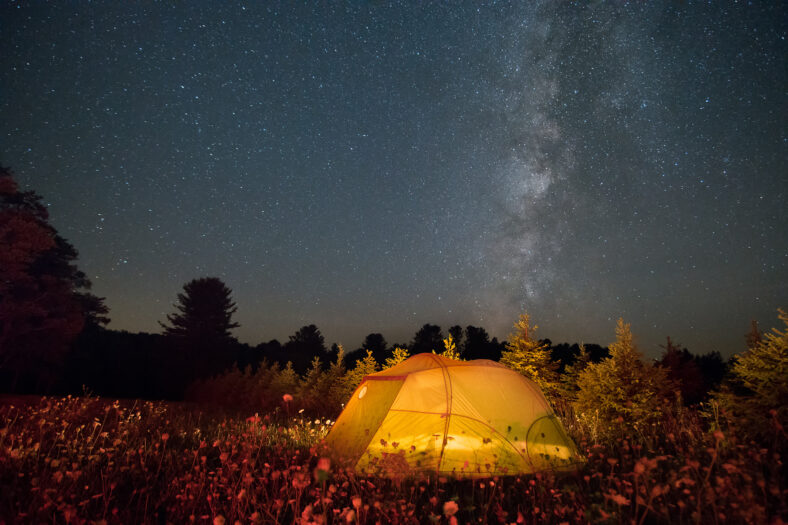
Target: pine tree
530,357
200,329
353,378
398,355
284,381
569,387
622,388
450,349
756,397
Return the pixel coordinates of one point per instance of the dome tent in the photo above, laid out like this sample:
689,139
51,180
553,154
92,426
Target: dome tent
432,414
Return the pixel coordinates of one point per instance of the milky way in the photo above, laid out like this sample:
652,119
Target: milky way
374,168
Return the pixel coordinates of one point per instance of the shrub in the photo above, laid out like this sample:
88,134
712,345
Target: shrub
531,358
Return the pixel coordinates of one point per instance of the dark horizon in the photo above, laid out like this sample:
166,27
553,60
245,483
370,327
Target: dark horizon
375,168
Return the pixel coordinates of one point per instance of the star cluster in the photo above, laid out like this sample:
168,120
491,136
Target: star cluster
371,168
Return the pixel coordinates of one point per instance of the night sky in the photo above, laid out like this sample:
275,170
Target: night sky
374,167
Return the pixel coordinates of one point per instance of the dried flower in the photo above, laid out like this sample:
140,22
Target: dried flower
450,508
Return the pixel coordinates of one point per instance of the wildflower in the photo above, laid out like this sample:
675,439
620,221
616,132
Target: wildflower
219,520
356,502
165,436
287,398
450,508
350,517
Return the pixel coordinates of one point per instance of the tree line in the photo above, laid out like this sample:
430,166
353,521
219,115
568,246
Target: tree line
53,339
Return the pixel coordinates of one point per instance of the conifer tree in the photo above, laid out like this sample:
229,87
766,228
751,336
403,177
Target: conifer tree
569,387
756,396
284,381
199,331
622,387
528,356
398,355
353,378
450,349
313,388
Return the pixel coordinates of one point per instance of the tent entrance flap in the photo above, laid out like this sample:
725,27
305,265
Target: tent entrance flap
365,411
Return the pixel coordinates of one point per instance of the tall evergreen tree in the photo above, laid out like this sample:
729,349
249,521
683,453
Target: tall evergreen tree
306,344
200,329
44,298
756,397
623,387
530,357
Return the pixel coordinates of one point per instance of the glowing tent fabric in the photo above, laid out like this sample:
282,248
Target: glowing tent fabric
463,418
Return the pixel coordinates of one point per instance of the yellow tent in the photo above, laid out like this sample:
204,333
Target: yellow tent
465,418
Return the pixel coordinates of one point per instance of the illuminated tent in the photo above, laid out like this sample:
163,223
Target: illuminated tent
433,414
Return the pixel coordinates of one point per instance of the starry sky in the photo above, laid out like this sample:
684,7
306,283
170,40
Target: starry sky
374,166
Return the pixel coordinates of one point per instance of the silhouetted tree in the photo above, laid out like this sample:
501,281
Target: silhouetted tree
118,364
428,338
683,371
273,351
477,345
199,331
44,303
455,332
713,367
376,344
563,354
306,344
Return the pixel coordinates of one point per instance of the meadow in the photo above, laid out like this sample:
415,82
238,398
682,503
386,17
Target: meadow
90,460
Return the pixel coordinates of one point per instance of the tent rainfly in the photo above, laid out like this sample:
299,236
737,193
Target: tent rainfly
432,414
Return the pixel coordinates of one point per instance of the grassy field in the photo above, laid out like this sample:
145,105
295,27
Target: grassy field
90,460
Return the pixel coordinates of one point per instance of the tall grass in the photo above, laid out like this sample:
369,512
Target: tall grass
87,460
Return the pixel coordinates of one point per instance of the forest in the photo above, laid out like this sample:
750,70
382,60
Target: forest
107,426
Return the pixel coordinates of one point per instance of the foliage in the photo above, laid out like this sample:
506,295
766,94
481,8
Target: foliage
450,349
684,373
428,338
83,460
376,344
531,358
622,389
353,377
397,356
477,344
199,331
568,388
44,299
755,400
303,346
